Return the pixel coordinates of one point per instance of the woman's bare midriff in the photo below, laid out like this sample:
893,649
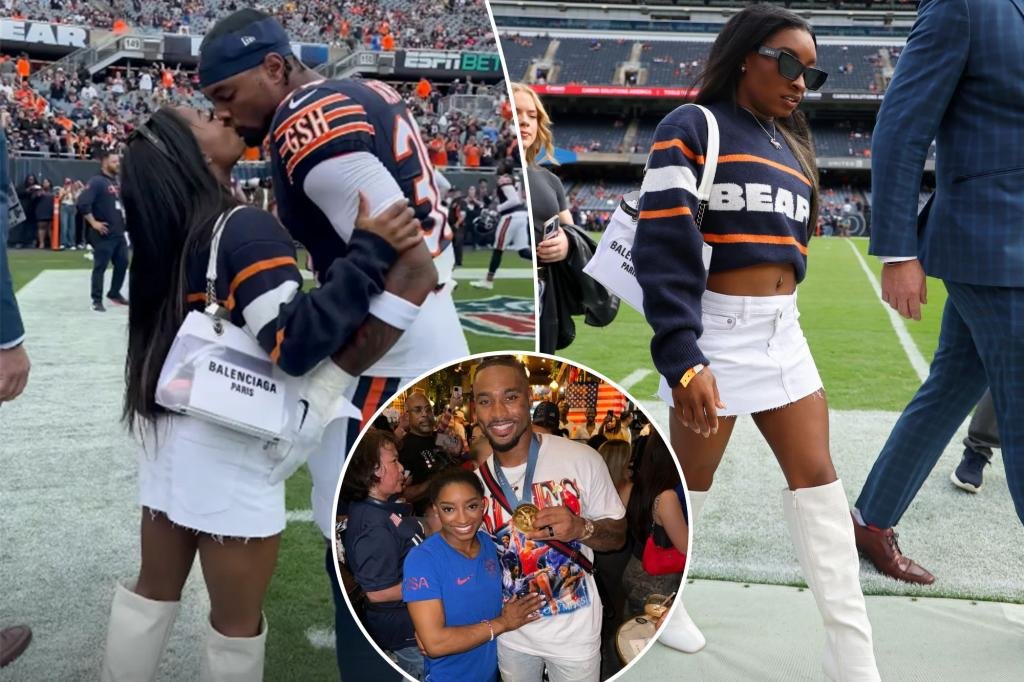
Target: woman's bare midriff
769,279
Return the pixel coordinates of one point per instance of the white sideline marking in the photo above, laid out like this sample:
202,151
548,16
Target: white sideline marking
634,378
300,515
917,360
320,638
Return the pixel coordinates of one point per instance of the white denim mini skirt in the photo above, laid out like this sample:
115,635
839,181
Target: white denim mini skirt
210,479
758,353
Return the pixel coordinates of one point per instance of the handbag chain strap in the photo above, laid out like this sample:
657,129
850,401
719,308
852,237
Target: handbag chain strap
213,308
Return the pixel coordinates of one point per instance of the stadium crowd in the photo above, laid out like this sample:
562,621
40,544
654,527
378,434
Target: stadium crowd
384,25
70,115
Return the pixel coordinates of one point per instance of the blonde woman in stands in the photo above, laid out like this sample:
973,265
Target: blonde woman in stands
727,341
562,248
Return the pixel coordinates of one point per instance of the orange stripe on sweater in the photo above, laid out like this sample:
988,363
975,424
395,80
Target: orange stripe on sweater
754,239
687,152
276,353
256,268
750,158
665,213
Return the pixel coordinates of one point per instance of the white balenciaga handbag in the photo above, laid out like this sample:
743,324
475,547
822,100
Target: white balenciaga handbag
217,372
612,263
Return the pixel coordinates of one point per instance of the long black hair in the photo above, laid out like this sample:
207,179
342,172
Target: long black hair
657,473
742,34
171,201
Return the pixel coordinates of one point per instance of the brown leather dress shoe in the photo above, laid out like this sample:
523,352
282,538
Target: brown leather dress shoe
880,546
13,641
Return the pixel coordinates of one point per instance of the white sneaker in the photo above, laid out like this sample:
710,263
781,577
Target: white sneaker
482,284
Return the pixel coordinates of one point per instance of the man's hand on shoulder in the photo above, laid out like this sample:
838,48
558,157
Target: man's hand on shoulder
905,287
396,224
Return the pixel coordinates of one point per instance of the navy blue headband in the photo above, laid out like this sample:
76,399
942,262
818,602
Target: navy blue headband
233,53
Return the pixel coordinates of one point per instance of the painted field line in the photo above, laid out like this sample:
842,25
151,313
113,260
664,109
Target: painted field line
634,378
917,360
299,515
320,638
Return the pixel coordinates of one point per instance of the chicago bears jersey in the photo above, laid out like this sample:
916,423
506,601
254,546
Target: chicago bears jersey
313,131
330,118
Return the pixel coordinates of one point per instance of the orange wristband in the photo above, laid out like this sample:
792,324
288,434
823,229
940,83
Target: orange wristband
690,374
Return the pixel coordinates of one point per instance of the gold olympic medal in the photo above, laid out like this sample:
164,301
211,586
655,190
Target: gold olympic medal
523,517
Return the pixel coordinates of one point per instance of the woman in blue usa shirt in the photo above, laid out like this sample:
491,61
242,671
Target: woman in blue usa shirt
452,586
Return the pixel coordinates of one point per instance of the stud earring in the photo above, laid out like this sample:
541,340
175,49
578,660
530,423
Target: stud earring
743,68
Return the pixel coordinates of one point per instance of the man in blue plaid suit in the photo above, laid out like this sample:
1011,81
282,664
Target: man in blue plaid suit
960,81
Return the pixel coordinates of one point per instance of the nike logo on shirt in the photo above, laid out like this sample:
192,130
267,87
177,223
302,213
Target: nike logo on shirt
294,103
462,581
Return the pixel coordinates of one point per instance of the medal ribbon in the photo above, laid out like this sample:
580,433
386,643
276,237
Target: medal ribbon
531,466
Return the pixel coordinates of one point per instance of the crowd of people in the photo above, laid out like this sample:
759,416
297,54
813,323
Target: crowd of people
413,518
73,115
397,24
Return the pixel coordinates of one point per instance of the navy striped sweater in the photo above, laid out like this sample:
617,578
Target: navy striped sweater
757,214
258,281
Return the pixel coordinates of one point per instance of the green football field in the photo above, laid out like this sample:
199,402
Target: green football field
298,604
858,355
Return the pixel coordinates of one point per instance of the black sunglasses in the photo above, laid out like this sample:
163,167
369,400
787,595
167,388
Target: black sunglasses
792,68
144,132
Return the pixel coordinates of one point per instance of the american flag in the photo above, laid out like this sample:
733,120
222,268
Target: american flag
595,394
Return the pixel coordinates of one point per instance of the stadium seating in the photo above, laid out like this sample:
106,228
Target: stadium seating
842,139
592,62
904,5
592,196
100,120
851,68
645,133
593,134
674,64
450,24
520,52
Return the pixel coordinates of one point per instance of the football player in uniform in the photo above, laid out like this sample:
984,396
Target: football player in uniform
513,227
330,141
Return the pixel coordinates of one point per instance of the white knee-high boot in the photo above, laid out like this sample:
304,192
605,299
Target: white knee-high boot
680,632
822,532
136,636
232,659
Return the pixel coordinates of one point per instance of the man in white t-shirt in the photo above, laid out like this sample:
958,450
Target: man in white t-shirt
576,512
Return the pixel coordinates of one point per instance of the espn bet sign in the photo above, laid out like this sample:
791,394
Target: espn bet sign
449,64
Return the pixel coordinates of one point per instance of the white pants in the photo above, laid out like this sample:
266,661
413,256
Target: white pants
513,232
758,352
516,666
